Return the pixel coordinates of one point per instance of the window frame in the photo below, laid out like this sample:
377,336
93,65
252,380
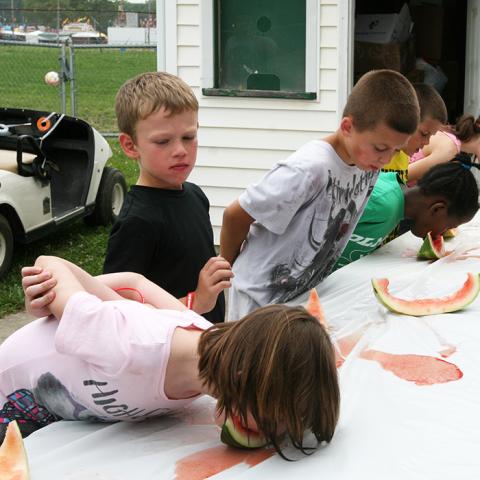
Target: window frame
209,66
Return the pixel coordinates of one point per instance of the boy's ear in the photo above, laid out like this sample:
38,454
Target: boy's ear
438,207
346,126
128,145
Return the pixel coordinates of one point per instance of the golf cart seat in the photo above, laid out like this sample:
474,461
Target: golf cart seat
8,160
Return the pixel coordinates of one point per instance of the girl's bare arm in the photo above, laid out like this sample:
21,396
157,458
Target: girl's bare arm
53,278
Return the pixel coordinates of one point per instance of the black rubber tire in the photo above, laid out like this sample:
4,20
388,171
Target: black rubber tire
110,197
6,246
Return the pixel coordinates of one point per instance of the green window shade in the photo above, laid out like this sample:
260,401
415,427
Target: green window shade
261,45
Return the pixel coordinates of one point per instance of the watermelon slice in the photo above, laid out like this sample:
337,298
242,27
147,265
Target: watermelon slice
314,307
13,459
236,435
450,233
432,247
428,306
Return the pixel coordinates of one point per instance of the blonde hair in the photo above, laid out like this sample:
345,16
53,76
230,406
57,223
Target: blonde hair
278,363
147,93
383,96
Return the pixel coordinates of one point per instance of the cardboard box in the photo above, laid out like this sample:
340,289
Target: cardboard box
394,56
383,28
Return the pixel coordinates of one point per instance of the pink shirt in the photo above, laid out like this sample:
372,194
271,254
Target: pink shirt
103,361
419,155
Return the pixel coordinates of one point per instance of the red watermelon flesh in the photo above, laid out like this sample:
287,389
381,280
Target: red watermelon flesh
314,307
236,435
432,247
13,458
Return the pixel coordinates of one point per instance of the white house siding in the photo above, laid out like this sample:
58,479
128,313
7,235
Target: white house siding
241,138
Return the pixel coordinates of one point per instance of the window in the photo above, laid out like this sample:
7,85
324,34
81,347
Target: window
260,48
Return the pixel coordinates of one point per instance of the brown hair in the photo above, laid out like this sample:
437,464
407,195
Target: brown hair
467,127
279,364
383,96
147,93
431,103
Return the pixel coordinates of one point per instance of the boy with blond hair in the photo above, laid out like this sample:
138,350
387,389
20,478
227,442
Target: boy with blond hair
293,225
164,230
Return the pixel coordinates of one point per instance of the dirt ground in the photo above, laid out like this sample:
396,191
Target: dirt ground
13,322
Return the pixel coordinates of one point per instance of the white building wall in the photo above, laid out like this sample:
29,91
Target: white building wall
131,36
241,138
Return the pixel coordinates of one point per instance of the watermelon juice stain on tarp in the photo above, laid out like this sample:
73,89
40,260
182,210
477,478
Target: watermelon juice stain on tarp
209,462
420,369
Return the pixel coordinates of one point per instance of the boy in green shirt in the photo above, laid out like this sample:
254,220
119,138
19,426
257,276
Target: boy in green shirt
444,198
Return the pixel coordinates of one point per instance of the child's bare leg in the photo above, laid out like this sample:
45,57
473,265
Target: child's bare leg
105,286
71,279
39,289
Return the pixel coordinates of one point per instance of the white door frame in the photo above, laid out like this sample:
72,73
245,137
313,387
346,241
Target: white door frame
346,25
471,103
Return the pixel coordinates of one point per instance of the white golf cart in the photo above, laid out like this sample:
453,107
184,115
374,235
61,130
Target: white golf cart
52,171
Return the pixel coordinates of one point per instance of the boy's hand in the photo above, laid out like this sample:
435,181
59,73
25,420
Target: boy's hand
38,287
214,277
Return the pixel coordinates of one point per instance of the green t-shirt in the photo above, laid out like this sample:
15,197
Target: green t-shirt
384,210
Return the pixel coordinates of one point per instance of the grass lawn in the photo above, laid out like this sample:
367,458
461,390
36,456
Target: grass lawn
78,243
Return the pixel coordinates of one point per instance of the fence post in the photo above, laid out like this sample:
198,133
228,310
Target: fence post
63,75
73,104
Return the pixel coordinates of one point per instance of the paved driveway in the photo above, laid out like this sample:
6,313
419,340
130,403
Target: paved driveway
13,322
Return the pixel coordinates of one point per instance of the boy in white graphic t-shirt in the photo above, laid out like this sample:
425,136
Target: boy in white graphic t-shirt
286,232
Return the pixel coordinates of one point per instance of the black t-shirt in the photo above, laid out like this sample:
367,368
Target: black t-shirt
167,236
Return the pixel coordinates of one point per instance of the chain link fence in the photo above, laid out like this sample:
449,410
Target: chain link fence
72,39
90,76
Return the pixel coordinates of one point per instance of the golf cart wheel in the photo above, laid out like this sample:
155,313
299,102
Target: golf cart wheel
6,246
110,197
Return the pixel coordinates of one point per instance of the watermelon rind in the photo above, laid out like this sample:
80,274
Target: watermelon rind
428,306
231,436
13,458
429,250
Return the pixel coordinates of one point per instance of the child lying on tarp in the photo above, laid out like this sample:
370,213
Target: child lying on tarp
100,357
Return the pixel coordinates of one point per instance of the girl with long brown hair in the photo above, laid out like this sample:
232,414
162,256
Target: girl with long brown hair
98,356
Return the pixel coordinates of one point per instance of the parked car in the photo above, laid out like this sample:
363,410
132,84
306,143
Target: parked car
52,171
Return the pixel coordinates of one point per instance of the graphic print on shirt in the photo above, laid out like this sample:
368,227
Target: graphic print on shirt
106,398
290,280
50,400
55,397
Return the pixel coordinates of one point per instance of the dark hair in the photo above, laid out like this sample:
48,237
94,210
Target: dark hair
277,363
456,183
383,96
431,103
467,127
